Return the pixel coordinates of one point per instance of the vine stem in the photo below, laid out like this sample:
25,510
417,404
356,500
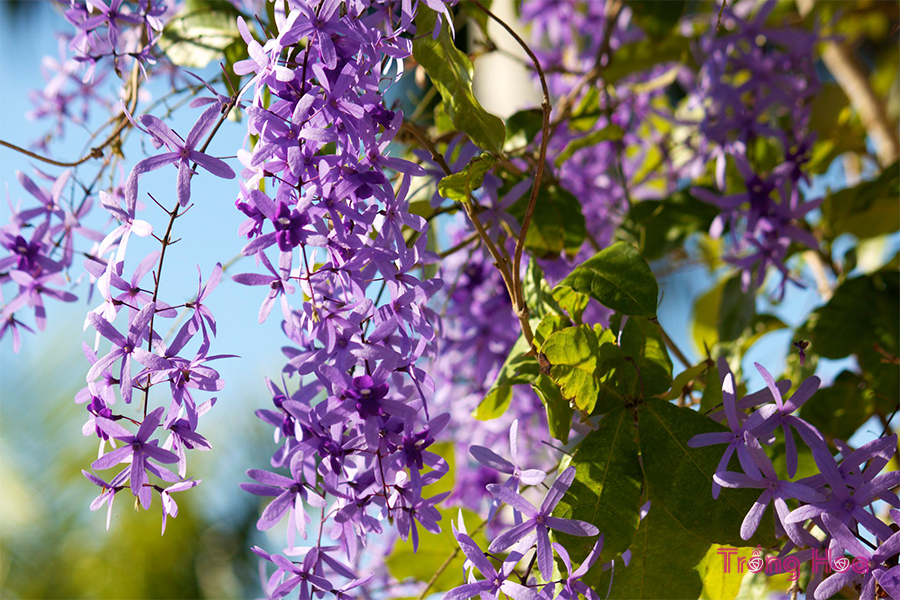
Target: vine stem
500,261
157,277
518,298
97,151
851,75
166,239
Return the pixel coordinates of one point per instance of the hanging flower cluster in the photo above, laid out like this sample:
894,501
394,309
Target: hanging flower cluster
753,78
324,216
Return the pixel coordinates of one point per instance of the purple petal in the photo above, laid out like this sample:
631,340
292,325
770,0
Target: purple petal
491,459
751,521
571,526
504,494
558,490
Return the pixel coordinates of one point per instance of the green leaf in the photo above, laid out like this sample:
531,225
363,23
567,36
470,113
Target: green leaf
571,302
607,134
447,451
518,368
619,278
559,411
573,355
664,561
705,324
538,293
607,487
681,477
717,584
736,309
655,17
863,310
557,223
472,11
587,112
682,379
200,33
451,72
711,399
421,208
660,226
523,126
661,81
434,549
618,377
236,51
869,209
459,186
643,343
550,324
494,403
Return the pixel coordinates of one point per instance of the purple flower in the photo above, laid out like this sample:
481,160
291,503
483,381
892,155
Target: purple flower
183,152
124,347
412,507
301,575
842,504
290,495
573,587
876,562
495,582
128,225
31,292
539,522
109,490
784,417
11,324
735,438
138,449
491,459
775,490
169,508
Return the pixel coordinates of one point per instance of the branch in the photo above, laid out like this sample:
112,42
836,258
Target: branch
96,152
517,293
166,240
851,75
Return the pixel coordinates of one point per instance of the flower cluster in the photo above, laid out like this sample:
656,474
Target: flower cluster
753,80
39,246
838,500
530,531
182,371
118,31
325,215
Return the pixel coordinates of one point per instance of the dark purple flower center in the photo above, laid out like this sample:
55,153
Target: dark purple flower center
367,396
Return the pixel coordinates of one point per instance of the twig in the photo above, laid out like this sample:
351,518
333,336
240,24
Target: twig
668,341
517,292
851,75
719,24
